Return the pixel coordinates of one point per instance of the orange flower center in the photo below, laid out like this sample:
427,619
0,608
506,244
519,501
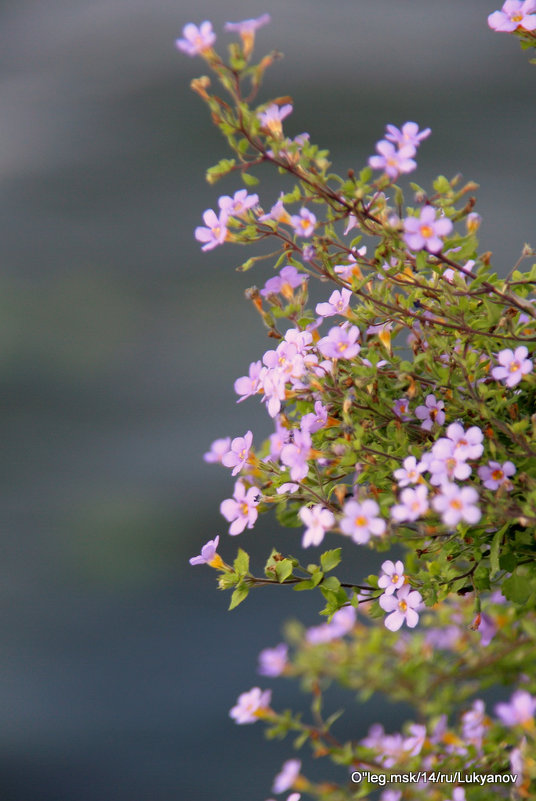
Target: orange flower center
497,475
427,231
361,521
402,605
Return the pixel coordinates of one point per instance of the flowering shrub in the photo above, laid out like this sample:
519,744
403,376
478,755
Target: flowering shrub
404,413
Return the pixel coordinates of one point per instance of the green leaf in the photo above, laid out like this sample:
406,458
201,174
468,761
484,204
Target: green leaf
249,180
494,550
283,570
241,563
517,588
330,559
239,595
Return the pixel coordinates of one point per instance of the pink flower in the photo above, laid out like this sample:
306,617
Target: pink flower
337,304
303,223
467,444
513,365
392,161
402,608
361,521
445,463
288,279
240,510
218,448
456,504
196,40
432,412
314,421
425,231
414,504
239,204
208,554
474,724
272,661
341,623
519,711
495,475
340,343
514,14
410,472
248,385
271,118
409,134
392,577
278,213
248,25
287,776
215,232
239,452
318,520
296,454
251,705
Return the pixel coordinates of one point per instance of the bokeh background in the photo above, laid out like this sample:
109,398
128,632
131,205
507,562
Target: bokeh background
120,342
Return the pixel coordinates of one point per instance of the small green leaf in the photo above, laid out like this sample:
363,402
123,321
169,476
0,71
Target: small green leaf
283,570
239,595
241,563
249,180
330,559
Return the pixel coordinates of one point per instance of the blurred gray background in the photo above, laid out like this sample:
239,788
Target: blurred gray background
120,342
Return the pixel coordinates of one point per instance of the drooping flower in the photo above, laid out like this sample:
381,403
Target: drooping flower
247,29
240,510
393,161
251,705
238,454
513,15
392,577
287,776
494,475
361,521
519,711
272,661
318,520
271,118
196,40
425,231
217,450
513,365
432,412
208,555
215,232
303,223
455,504
402,608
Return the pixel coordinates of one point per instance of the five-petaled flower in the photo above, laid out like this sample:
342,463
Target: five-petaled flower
494,475
208,555
196,40
238,455
214,232
425,232
513,365
251,705
361,521
392,577
513,15
240,510
318,520
402,608
271,119
455,504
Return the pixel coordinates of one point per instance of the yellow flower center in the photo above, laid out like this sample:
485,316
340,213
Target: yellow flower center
244,509
394,578
427,231
514,367
361,521
456,504
516,17
497,475
341,347
402,605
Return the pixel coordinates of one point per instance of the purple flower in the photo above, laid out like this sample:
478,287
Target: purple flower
361,521
474,724
208,555
288,279
337,304
393,161
456,504
514,14
240,510
271,118
314,421
414,504
239,204
495,475
287,776
239,452
445,463
432,412
248,385
296,454
467,444
409,134
303,223
341,623
425,231
251,705
402,608
248,25
318,520
340,343
215,232
458,794
217,450
392,577
278,213
272,661
519,711
513,365
196,40
487,629
401,408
